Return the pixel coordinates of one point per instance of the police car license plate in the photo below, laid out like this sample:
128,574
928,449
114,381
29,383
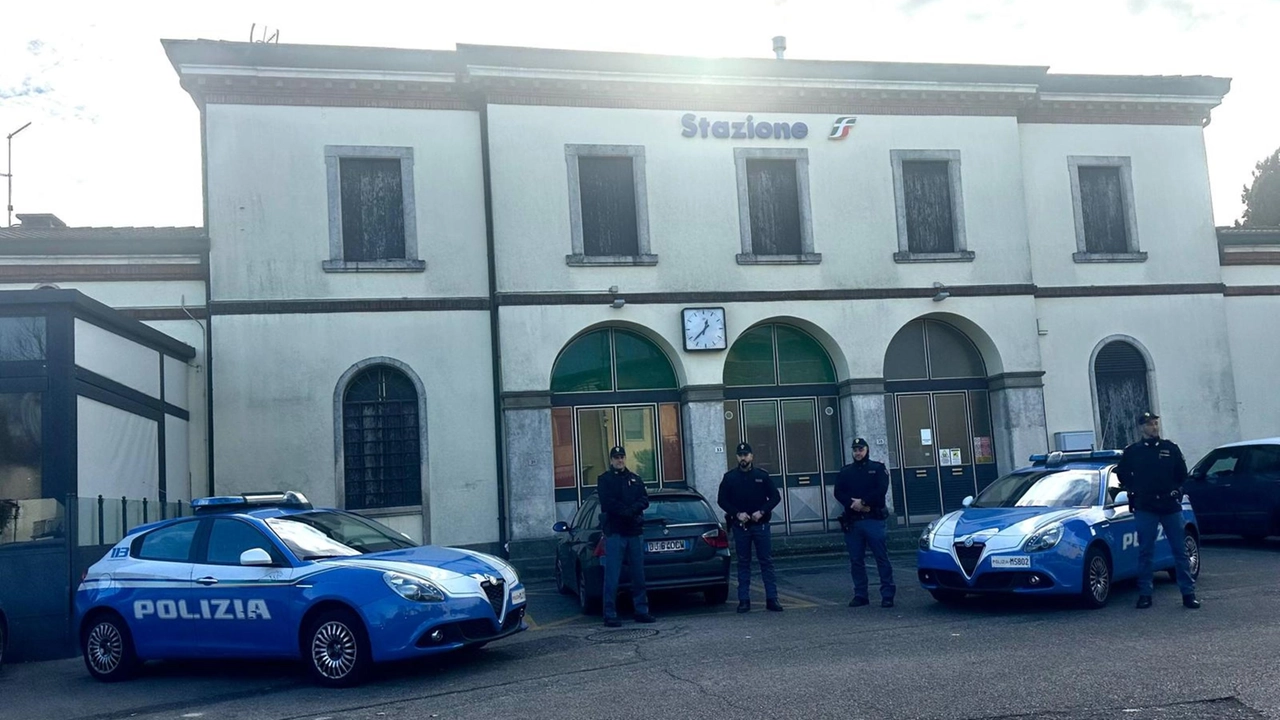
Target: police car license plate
517,596
661,546
1013,561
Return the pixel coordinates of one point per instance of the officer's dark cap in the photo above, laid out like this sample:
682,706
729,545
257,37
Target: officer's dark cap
1147,417
859,443
618,451
744,448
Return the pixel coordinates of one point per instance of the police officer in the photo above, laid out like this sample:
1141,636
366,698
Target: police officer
623,500
1152,471
748,497
860,490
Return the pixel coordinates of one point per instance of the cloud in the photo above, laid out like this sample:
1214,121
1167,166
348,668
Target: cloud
911,7
29,87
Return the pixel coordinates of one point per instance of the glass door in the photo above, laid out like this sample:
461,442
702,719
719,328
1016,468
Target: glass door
760,429
919,458
954,449
803,469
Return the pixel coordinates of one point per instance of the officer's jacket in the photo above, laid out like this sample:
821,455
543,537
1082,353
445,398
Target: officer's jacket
867,480
748,491
623,500
1152,472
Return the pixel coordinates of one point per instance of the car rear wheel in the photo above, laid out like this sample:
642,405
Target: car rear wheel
107,647
1192,544
947,597
717,595
1097,579
336,649
589,605
561,586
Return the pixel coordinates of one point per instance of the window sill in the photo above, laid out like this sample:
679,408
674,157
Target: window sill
1129,257
342,266
910,257
803,259
389,511
610,260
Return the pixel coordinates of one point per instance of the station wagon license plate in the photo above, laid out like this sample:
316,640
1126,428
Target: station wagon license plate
1012,561
661,546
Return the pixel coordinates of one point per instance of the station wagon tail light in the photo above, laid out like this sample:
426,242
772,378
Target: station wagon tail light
718,538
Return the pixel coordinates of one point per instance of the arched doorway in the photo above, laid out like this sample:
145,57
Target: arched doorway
613,387
781,396
939,419
1120,377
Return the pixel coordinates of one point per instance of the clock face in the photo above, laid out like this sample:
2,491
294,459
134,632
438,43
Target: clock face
704,329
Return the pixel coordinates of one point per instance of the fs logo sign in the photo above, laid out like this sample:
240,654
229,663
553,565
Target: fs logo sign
841,127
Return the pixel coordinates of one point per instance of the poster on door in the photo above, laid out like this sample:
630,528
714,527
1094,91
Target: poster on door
955,456
926,436
982,450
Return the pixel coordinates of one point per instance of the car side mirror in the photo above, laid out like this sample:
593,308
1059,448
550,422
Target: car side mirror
968,500
1122,498
256,557
560,527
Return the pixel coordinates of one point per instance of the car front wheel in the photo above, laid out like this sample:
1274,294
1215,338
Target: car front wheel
107,647
337,649
1097,579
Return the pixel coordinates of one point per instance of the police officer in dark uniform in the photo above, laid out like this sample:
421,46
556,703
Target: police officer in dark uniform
1152,471
748,497
623,500
860,490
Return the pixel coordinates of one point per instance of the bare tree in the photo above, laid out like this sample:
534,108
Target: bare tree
22,338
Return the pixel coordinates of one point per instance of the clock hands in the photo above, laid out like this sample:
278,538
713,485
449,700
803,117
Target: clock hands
706,325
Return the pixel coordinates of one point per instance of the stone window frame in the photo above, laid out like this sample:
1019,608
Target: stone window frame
748,255
579,256
1125,163
333,155
962,253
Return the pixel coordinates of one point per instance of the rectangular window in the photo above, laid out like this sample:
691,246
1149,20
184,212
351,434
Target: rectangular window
372,212
608,206
562,444
372,209
930,227
25,515
22,338
595,437
929,206
608,211
1102,199
672,451
773,206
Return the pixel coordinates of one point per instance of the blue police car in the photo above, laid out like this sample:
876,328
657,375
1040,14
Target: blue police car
269,576
1060,526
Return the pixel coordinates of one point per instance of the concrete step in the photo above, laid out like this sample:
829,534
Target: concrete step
535,559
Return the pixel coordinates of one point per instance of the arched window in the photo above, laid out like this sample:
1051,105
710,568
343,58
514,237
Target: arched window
932,350
777,355
1120,379
380,440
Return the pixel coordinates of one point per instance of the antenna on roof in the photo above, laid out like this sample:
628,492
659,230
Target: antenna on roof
274,38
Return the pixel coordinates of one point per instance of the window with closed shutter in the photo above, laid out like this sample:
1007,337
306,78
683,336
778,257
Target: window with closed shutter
372,209
1103,210
608,195
774,197
926,185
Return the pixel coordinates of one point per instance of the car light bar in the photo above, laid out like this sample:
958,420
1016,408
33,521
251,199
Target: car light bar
223,503
1059,457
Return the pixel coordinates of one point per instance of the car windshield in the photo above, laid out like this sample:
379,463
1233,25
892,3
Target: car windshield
679,510
324,534
1042,488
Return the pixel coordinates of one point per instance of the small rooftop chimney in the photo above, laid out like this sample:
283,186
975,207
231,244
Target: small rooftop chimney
779,46
41,221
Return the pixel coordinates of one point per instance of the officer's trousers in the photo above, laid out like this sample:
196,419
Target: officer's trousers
1148,528
759,537
618,548
864,534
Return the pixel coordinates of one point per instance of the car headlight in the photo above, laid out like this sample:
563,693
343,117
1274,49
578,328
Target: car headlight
926,537
1044,538
412,588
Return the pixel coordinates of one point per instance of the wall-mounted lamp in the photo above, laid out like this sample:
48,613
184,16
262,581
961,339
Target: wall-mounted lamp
942,293
617,301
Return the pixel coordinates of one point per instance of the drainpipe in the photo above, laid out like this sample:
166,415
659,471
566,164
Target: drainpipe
499,429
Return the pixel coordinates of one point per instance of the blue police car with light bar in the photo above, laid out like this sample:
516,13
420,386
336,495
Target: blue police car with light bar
1061,526
266,575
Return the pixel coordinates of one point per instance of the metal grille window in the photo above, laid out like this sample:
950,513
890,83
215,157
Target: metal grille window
927,189
774,199
1103,211
608,192
380,437
1120,377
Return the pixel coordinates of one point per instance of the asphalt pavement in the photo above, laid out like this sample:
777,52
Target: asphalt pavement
987,658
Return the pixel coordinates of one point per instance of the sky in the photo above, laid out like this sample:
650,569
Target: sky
114,140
